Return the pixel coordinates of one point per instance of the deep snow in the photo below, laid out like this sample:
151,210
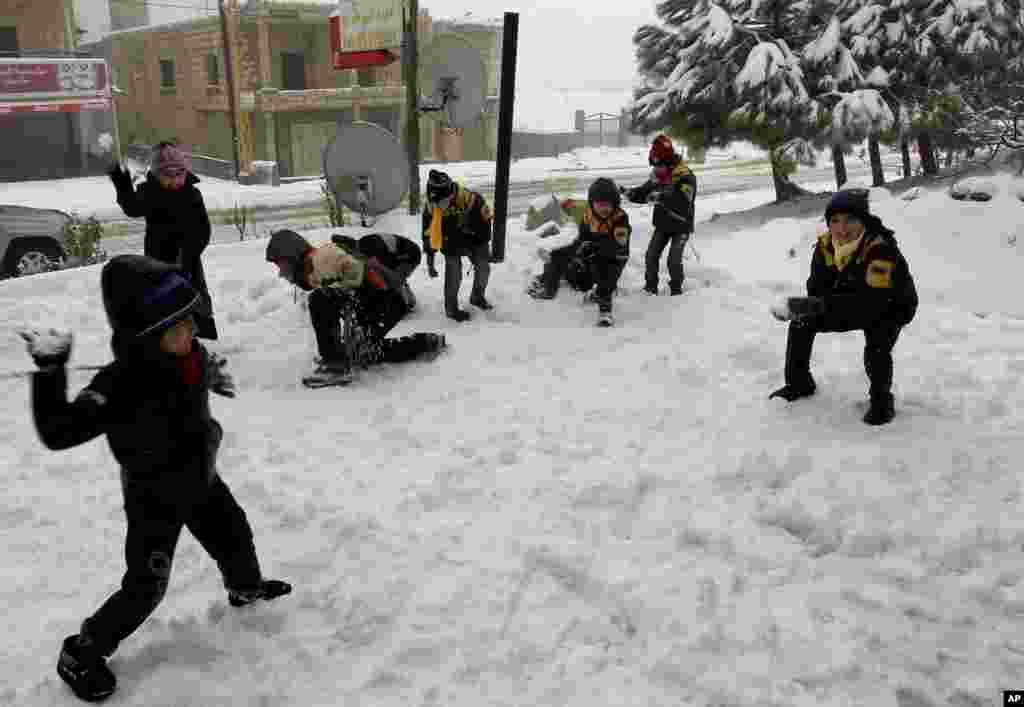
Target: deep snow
556,514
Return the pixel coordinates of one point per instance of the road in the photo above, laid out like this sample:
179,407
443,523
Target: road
714,178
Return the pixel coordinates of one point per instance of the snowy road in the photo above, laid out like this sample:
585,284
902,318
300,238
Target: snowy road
715,178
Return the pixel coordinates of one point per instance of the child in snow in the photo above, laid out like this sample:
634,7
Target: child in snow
859,281
152,402
598,255
340,277
177,225
457,222
672,188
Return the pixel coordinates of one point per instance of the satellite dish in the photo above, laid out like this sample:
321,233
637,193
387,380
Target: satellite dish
366,169
452,74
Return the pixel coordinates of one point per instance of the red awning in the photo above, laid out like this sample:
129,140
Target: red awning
55,106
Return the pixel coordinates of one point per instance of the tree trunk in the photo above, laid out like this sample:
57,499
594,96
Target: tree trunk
875,154
927,153
905,151
839,163
785,189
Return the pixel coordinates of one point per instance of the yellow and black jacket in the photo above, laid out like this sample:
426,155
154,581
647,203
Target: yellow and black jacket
875,278
466,223
610,236
673,207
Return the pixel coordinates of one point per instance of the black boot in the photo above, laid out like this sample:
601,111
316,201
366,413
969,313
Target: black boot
480,302
799,382
267,589
881,409
85,670
459,315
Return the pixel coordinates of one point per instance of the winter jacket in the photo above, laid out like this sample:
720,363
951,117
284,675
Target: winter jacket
465,224
177,232
400,254
609,237
159,427
673,201
876,282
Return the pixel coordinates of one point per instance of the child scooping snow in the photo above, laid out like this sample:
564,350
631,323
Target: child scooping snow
153,405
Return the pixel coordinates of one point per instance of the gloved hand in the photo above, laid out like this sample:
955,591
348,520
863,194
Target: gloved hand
121,177
798,309
49,348
219,380
431,270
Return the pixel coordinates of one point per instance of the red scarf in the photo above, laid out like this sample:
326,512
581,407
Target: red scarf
192,368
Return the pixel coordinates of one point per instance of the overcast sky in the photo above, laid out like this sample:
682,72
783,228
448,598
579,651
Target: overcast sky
572,55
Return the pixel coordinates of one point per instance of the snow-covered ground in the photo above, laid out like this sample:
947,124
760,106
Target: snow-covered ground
556,514
94,196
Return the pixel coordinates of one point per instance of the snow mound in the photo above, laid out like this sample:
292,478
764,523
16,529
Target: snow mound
974,189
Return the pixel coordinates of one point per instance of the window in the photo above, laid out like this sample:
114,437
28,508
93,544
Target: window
293,71
8,41
212,70
167,73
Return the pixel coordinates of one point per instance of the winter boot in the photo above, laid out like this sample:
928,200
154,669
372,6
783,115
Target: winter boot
327,373
791,392
268,589
85,670
675,289
605,319
480,302
538,289
881,409
459,315
652,290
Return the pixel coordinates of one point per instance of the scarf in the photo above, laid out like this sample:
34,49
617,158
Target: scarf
436,237
844,253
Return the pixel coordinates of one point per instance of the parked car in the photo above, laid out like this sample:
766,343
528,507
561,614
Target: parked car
30,239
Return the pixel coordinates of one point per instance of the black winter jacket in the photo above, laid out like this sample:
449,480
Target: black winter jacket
875,284
160,430
177,232
396,252
673,202
464,225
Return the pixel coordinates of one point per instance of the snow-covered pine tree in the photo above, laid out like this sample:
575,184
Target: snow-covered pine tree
730,69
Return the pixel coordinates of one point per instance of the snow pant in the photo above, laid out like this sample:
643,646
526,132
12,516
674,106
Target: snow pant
215,520
480,256
375,313
601,274
879,339
652,259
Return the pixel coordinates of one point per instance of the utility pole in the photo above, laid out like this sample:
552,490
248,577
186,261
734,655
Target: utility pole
503,164
229,76
410,69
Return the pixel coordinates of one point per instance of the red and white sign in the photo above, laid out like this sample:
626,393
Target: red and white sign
55,107
53,78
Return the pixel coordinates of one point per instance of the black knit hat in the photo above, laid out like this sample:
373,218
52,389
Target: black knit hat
849,201
289,248
144,297
604,189
439,185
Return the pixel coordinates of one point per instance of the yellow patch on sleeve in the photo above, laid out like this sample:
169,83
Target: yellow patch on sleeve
621,234
879,274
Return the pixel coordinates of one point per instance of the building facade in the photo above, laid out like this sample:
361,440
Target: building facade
55,108
290,98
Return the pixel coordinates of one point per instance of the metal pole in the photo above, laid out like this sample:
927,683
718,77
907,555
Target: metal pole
410,68
229,76
510,40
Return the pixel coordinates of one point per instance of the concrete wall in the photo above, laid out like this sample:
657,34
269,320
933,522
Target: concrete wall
536,144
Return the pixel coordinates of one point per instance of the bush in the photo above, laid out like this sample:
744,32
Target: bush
82,241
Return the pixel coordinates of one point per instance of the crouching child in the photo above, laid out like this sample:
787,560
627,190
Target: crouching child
369,292
152,403
598,255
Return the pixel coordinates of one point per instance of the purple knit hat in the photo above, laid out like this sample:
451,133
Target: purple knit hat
168,161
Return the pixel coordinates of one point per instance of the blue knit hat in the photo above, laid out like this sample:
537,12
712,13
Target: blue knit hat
849,201
144,297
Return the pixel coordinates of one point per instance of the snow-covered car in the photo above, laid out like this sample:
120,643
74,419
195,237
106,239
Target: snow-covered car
30,239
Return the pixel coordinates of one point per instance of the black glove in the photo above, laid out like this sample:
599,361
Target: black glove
50,348
431,270
121,177
219,380
799,309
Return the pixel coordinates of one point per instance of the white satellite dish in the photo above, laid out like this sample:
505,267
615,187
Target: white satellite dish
452,76
366,169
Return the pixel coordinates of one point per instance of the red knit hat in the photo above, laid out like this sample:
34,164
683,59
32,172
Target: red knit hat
661,150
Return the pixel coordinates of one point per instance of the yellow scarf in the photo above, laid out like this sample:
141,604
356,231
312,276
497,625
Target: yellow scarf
845,252
436,238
